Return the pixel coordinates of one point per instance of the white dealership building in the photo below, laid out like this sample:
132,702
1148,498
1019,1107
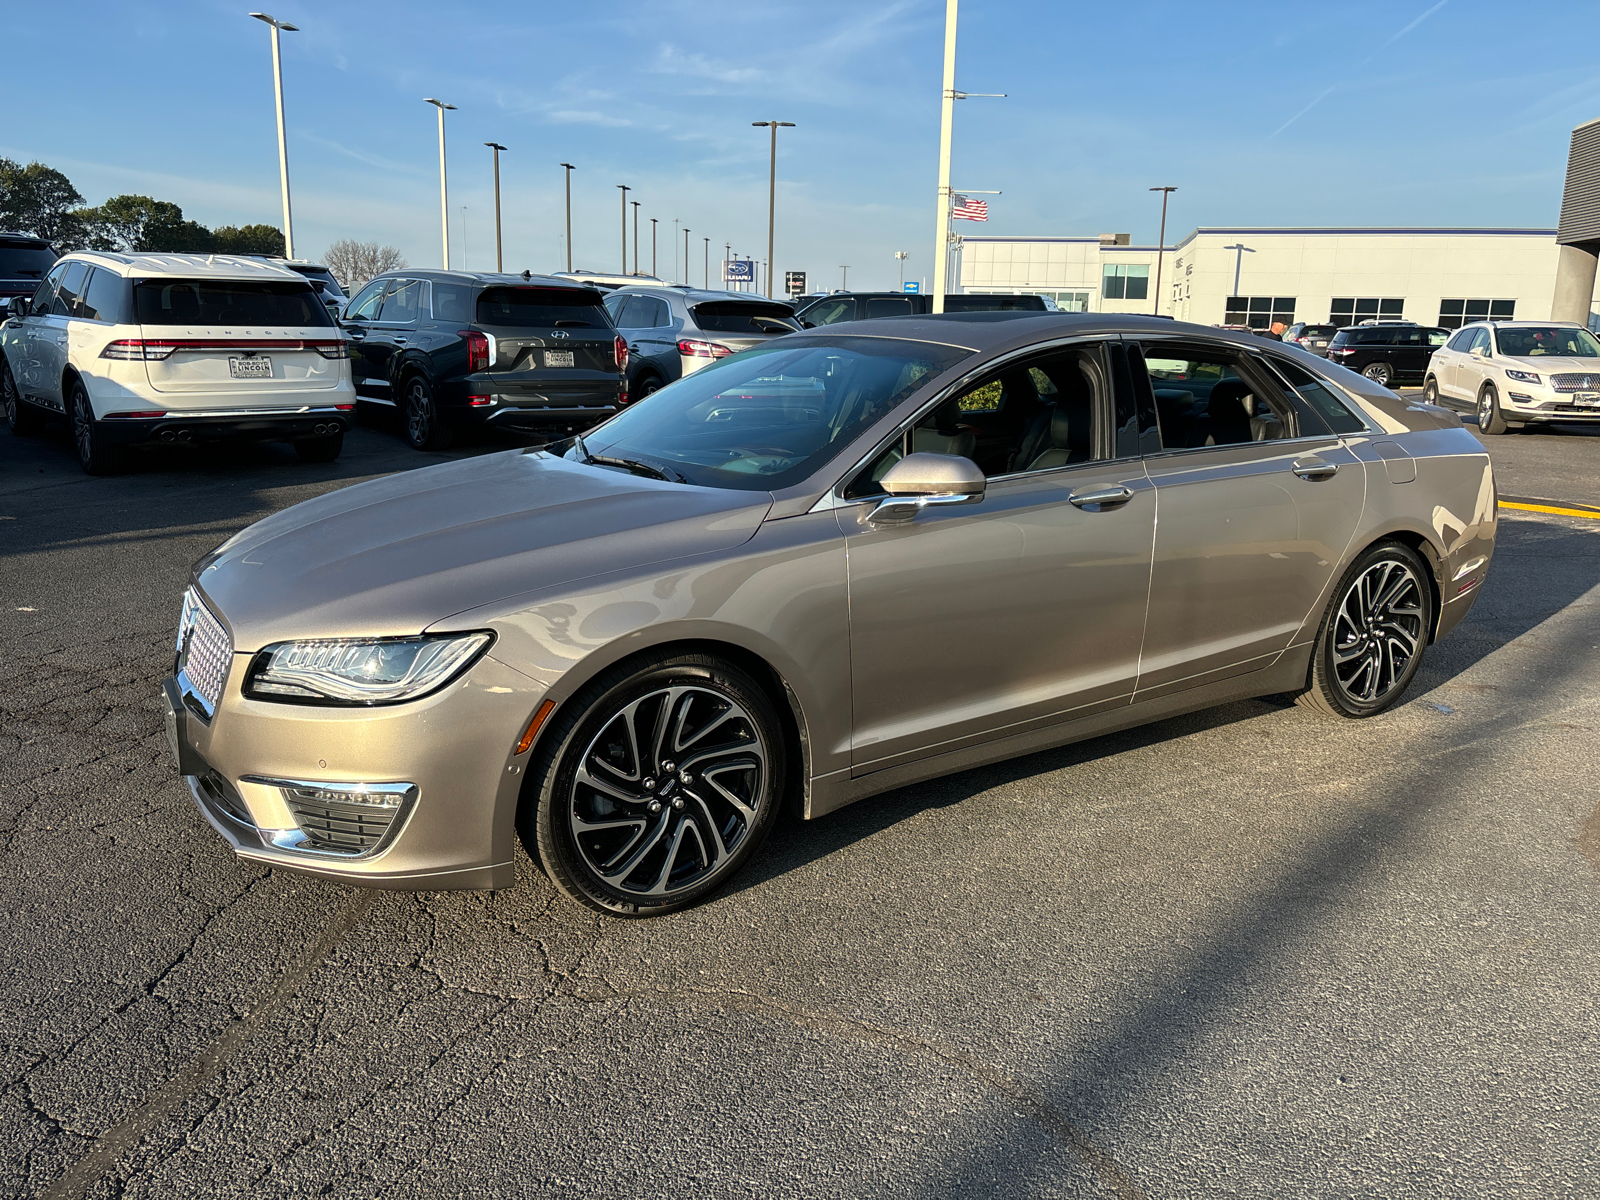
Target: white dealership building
1254,276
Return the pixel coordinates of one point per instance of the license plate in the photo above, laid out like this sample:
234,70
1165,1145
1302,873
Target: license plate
1320,345
250,368
558,358
1587,399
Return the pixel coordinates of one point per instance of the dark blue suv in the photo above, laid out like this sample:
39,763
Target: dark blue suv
454,348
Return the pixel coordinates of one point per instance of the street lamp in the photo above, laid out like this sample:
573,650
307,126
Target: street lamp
685,256
772,188
283,146
625,190
1238,263
635,204
844,277
705,278
1161,243
653,248
902,255
444,195
570,169
499,260
947,113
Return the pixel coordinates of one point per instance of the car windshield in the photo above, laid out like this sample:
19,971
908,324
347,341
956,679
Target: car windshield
227,302
767,418
540,306
25,262
1547,341
1318,331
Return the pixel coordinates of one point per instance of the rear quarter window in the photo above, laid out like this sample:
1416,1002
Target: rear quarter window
1319,397
541,307
743,316
228,302
106,298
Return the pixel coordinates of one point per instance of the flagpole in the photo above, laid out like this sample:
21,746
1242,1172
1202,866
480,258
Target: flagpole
947,112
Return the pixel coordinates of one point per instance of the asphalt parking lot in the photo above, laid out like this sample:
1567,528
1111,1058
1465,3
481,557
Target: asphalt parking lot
1249,952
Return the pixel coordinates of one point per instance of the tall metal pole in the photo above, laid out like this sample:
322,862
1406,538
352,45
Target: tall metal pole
844,272
686,256
625,190
1161,245
635,204
941,254
706,277
902,255
444,193
499,258
570,169
772,188
653,248
283,144
675,278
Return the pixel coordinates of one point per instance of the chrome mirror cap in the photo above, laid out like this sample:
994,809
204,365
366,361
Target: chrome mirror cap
926,474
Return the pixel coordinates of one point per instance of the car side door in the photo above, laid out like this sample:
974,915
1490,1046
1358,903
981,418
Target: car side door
395,329
1256,503
1472,366
357,323
33,338
973,621
655,333
53,332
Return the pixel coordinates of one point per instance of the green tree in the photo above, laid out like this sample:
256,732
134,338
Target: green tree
248,239
39,200
134,223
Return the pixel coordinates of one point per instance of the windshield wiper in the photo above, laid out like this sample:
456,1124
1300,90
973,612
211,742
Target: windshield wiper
638,468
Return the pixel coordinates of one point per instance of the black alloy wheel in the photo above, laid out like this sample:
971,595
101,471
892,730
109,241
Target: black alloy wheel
655,784
649,387
1489,418
96,455
322,449
1373,635
426,428
1379,373
21,417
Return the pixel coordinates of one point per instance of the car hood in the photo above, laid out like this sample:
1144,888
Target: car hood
394,555
1550,365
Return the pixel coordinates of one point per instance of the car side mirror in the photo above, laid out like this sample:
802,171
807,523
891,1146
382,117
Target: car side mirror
925,480
807,325
18,306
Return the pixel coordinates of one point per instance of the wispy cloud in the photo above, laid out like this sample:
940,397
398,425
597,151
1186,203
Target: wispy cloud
577,116
361,156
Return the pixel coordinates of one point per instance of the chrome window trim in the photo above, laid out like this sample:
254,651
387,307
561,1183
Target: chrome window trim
1294,441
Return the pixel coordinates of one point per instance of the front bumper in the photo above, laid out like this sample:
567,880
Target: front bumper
418,796
263,425
1520,402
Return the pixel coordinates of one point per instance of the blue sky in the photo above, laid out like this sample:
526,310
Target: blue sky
1408,112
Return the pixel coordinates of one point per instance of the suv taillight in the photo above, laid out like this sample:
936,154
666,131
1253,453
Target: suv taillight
702,349
135,348
477,350
619,351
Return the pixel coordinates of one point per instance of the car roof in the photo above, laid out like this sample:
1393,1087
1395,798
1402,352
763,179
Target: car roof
980,331
32,242
185,266
694,295
487,278
1526,324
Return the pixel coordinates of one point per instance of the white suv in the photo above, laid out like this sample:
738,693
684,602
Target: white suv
1517,374
176,348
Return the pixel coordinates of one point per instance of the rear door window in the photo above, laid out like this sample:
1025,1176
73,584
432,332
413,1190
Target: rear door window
230,302
831,312
404,302
70,290
646,312
744,316
1214,397
1320,398
541,307
889,306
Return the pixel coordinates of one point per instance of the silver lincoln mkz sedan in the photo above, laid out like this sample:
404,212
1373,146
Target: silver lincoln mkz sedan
839,563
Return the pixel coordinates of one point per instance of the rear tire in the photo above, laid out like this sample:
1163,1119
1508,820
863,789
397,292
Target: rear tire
21,417
1489,418
96,455
426,427
1430,390
320,449
1379,372
1373,634
655,784
648,386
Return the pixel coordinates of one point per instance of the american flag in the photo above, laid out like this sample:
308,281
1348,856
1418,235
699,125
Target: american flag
969,210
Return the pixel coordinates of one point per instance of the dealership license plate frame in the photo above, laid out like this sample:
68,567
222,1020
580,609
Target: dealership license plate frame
255,367
559,358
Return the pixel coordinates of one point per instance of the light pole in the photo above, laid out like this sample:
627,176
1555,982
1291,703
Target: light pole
499,260
1238,263
844,277
1161,243
706,277
625,190
947,112
772,188
635,204
444,194
570,169
902,255
653,249
463,237
727,249
283,146
685,256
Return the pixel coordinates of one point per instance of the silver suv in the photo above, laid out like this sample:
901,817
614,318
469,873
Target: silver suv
673,331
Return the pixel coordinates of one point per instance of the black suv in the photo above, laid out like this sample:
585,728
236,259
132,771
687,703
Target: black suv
452,348
863,306
24,261
1389,355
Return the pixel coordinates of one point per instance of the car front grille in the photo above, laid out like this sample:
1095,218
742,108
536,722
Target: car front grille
342,828
204,651
1575,382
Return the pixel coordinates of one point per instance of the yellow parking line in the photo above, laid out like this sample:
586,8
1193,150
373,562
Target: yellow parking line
1546,508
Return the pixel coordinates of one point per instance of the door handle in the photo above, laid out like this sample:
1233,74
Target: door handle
1101,497
1314,468
399,341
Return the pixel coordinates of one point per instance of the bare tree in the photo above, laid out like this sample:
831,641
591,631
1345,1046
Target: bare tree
353,262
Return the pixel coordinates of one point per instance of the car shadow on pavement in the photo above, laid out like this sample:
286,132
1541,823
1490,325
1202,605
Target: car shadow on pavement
1568,556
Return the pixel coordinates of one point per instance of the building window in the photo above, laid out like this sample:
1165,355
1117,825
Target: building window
1125,281
1260,312
1453,314
1354,310
1071,301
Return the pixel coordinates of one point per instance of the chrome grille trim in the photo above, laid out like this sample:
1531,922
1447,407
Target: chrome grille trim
1575,382
204,652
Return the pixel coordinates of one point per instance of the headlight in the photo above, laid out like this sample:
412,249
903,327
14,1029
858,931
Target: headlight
361,670
1522,376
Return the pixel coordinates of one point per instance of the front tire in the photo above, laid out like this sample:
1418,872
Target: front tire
1430,390
320,449
21,417
426,428
1373,634
1379,373
96,455
656,783
1489,418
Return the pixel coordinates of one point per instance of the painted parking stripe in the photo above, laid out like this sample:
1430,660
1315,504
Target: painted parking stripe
1592,514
